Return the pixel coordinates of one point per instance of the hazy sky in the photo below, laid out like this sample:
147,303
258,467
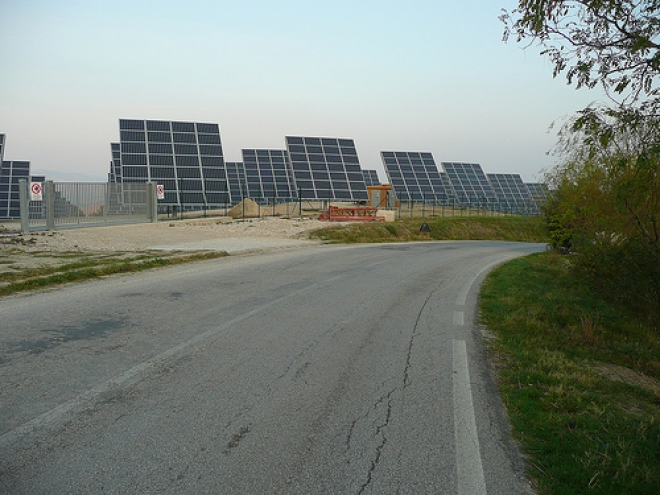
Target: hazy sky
393,75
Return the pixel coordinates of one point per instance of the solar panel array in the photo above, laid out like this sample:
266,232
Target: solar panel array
185,157
414,176
510,189
268,174
326,168
370,177
469,183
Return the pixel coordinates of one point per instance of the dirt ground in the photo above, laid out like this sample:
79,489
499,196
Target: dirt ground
21,251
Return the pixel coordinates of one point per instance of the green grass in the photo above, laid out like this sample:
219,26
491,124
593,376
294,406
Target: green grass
580,379
90,267
526,229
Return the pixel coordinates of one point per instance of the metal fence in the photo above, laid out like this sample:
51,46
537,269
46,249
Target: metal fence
406,209
75,204
296,207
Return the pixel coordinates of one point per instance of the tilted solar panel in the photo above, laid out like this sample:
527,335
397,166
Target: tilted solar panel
509,187
537,190
185,157
326,169
268,175
236,181
470,184
11,172
414,176
371,177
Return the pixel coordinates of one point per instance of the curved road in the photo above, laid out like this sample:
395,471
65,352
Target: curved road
352,370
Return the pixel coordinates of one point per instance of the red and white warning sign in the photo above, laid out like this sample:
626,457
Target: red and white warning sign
36,191
160,191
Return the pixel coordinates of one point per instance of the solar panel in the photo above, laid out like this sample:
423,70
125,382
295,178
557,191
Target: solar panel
268,175
510,189
469,183
115,163
185,157
537,190
414,176
371,177
236,181
11,172
326,169
539,193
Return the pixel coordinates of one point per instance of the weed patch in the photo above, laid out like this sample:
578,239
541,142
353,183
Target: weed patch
89,267
523,229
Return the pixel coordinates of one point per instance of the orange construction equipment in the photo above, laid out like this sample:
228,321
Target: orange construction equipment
354,214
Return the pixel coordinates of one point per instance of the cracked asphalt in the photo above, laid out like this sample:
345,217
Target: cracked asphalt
326,369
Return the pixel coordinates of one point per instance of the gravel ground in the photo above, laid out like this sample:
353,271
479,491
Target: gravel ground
219,234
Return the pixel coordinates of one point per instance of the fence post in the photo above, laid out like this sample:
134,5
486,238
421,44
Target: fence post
152,202
106,201
24,198
49,199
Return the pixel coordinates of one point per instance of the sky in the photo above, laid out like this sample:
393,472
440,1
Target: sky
392,75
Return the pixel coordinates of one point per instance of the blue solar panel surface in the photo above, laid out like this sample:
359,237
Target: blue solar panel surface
11,172
469,183
268,174
414,176
509,188
185,157
326,168
236,181
370,177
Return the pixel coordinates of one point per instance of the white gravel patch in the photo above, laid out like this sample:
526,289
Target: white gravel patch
216,234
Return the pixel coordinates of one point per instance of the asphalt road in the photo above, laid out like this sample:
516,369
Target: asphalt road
343,370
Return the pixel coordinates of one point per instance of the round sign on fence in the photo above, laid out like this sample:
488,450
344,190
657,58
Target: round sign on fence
160,191
35,191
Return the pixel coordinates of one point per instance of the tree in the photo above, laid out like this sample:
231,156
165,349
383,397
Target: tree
605,199
615,154
605,204
614,43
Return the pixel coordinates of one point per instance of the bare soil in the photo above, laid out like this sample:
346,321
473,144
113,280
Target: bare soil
23,251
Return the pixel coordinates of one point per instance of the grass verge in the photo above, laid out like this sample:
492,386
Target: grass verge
525,229
580,379
91,266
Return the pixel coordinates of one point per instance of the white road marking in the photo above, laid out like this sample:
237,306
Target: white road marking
462,296
471,480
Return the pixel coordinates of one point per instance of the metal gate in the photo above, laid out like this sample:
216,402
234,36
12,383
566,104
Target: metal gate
85,204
